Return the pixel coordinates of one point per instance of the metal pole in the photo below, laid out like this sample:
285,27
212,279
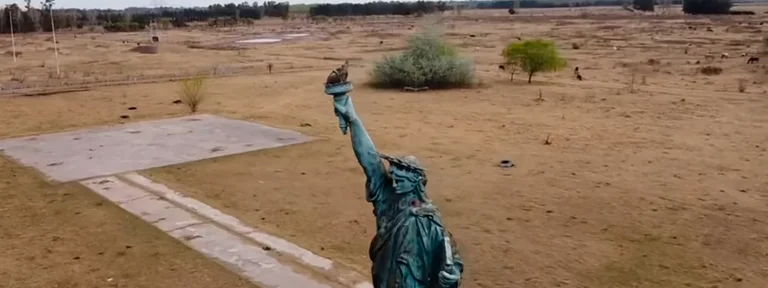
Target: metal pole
13,40
55,45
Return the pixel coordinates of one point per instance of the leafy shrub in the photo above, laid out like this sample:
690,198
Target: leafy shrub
191,92
711,70
534,56
428,62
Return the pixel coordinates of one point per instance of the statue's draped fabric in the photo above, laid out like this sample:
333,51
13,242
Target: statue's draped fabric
408,250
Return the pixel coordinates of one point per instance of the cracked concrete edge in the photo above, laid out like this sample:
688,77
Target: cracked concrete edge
329,268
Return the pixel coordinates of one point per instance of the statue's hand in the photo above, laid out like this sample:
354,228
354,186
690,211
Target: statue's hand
449,276
342,110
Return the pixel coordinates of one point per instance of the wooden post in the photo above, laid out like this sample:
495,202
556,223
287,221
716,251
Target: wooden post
13,40
55,44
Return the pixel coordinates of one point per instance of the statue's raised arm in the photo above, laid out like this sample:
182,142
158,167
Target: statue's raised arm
365,151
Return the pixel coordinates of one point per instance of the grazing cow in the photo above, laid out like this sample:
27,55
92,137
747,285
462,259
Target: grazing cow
724,55
753,60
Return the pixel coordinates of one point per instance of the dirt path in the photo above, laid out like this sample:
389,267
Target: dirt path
65,236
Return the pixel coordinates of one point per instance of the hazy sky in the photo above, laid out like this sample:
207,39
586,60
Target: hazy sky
116,4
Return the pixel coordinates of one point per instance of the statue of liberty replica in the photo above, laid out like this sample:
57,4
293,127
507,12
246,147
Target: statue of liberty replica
411,248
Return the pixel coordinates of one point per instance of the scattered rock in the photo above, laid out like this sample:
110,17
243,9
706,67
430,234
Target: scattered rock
217,149
191,237
267,248
132,108
55,164
305,124
124,116
506,163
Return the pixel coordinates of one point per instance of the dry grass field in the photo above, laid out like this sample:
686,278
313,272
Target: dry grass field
656,182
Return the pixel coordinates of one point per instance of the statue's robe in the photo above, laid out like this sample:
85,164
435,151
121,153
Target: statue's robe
408,250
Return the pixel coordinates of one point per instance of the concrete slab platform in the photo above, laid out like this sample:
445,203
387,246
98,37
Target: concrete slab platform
246,257
100,151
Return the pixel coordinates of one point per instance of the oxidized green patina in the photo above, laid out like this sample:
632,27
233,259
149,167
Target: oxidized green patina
411,248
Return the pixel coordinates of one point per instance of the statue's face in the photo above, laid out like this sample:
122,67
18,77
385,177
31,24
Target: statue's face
401,180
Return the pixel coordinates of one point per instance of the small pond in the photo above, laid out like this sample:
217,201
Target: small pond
273,39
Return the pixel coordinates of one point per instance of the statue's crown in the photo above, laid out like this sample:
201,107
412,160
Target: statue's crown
408,162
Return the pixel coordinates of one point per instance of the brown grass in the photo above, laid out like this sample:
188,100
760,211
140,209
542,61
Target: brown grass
66,236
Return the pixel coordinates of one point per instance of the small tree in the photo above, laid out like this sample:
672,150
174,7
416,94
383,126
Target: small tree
534,56
192,93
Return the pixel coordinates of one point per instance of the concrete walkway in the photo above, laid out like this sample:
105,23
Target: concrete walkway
266,260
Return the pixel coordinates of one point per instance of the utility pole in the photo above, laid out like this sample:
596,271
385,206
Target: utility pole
13,40
55,44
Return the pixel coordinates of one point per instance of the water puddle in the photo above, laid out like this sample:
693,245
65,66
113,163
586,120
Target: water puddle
260,40
273,39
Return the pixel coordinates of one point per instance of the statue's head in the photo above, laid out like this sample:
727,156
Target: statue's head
408,177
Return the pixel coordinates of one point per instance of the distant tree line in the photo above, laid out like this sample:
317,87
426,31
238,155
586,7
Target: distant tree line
707,6
32,19
378,8
425,7
506,4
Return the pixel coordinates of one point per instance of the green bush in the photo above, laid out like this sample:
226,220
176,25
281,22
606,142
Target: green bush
428,62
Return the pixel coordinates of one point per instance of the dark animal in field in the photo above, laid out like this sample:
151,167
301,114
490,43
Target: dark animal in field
753,60
502,68
577,73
